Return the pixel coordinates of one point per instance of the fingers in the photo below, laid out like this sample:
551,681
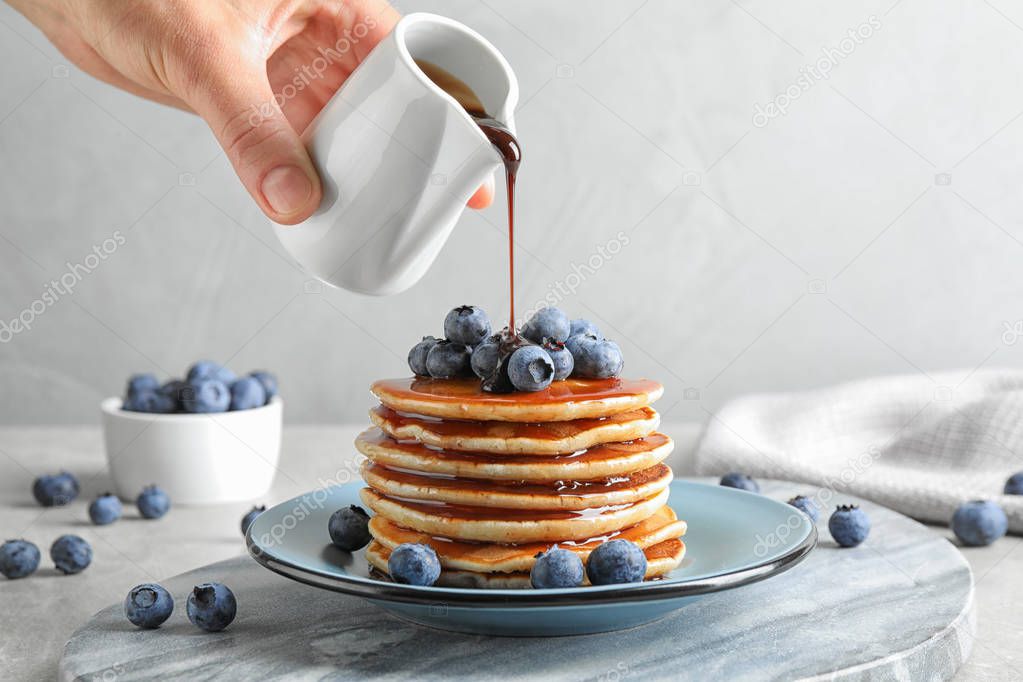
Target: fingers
266,152
484,196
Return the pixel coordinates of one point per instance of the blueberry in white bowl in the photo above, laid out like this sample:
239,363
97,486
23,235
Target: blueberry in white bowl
205,396
18,558
105,509
71,554
148,605
207,369
268,380
211,606
247,393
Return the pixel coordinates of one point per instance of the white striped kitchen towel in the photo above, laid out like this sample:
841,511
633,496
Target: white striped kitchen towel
918,444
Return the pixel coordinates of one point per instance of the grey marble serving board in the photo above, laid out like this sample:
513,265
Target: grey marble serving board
899,607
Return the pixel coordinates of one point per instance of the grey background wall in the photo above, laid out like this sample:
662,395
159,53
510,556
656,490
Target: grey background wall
875,227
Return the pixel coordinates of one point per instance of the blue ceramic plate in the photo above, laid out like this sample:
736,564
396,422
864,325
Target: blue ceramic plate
735,538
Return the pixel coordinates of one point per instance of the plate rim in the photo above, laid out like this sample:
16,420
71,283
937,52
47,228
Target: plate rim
378,590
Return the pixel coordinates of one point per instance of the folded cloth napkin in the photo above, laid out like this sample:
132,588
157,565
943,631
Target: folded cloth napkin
921,445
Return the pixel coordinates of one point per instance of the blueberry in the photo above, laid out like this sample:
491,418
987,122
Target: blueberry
148,605
55,490
152,502
740,481
530,369
547,323
349,528
556,568
447,360
561,357
247,393
251,516
595,358
211,606
18,558
849,525
206,369
414,564
141,382
417,356
105,509
206,395
175,390
616,561
70,554
486,357
466,324
1014,486
807,506
149,400
269,382
581,326
979,522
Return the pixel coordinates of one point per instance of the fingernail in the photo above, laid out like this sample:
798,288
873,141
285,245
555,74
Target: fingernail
287,189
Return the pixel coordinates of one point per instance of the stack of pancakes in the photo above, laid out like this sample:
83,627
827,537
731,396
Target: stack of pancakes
490,480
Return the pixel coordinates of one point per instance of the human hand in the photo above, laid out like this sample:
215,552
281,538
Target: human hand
232,62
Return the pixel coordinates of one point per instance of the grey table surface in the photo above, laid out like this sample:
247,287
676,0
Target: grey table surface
39,614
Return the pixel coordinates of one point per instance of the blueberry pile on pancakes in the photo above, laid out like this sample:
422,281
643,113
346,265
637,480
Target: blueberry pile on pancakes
490,477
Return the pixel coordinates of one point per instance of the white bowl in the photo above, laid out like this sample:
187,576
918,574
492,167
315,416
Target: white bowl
195,458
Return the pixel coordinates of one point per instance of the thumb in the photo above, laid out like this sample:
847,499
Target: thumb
265,150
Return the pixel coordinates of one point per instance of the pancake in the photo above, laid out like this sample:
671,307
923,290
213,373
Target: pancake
597,462
473,492
561,401
661,558
511,438
484,524
490,557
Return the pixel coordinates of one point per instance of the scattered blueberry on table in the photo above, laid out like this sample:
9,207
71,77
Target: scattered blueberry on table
979,522
349,528
807,506
207,388
152,502
148,605
849,525
616,561
55,490
71,554
18,558
105,509
211,606
413,563
549,344
556,568
251,516
1014,486
740,481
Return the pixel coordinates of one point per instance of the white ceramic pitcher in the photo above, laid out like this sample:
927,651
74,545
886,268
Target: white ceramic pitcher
399,157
